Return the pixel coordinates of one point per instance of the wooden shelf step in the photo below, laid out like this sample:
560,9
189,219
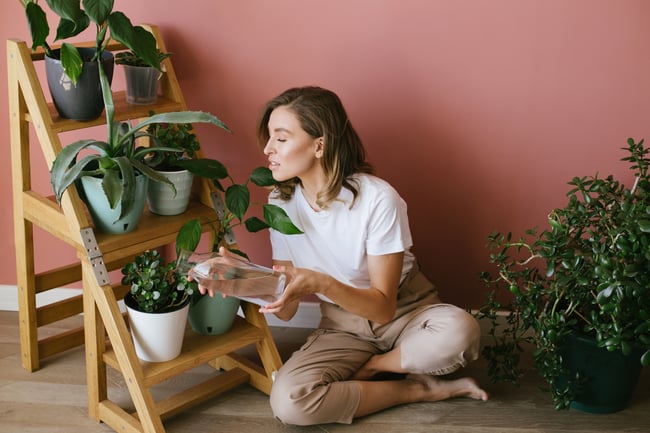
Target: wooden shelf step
197,350
210,388
59,310
61,342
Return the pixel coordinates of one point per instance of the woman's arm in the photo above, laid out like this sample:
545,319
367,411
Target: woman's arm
377,303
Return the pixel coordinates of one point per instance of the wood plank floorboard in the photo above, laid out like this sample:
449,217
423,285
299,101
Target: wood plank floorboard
53,400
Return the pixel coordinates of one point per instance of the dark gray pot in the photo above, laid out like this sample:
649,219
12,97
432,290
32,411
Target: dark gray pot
83,101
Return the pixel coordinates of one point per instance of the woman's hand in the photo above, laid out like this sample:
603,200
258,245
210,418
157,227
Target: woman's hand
222,284
377,302
300,283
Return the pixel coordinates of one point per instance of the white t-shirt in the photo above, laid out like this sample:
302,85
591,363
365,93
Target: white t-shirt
338,240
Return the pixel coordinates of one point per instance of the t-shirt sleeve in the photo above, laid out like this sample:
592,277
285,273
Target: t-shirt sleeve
388,228
279,246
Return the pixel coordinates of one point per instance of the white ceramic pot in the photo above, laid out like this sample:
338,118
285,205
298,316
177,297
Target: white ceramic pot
157,337
161,198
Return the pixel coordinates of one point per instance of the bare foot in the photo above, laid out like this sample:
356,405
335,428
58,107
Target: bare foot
436,389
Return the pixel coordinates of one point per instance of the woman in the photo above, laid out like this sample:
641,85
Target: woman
379,313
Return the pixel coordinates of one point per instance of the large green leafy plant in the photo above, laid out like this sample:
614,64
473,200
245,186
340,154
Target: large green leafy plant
587,273
119,158
74,19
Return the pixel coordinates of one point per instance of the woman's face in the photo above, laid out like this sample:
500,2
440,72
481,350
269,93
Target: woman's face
291,151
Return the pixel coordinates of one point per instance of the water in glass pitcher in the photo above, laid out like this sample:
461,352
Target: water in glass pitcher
232,276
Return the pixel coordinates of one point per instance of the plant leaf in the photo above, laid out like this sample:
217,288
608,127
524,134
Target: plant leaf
71,62
62,174
207,168
38,25
254,224
188,236
237,200
278,219
112,187
644,225
645,358
98,10
127,178
68,28
69,10
182,117
262,176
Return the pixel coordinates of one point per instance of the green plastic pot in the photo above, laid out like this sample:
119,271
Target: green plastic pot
108,220
213,315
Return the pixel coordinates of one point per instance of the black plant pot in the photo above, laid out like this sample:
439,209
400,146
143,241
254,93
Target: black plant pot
83,101
610,377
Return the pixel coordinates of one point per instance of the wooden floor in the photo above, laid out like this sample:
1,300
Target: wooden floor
53,400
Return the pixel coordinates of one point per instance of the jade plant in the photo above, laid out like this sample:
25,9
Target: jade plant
155,286
181,138
588,273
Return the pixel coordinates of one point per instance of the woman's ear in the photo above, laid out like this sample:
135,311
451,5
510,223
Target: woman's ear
320,144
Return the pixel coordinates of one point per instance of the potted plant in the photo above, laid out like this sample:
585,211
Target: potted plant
176,165
157,306
583,281
141,78
65,67
116,167
215,315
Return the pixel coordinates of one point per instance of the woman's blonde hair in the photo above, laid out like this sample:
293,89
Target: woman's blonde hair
321,114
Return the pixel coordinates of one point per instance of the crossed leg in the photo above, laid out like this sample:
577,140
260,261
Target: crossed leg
378,395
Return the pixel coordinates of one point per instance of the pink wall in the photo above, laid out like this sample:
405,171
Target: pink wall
478,112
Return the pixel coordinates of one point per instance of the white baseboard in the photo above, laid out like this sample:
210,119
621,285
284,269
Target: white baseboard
9,297
307,316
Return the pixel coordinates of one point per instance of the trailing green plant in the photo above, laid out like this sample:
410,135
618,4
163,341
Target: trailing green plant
588,273
119,158
74,19
236,204
155,286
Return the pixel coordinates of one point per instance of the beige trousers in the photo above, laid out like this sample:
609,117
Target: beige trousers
312,387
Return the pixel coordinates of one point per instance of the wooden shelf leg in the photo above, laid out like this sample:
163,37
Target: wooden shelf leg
27,317
266,347
95,345
23,229
111,316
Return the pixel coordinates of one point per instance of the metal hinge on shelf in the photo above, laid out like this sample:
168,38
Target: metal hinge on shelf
95,256
220,209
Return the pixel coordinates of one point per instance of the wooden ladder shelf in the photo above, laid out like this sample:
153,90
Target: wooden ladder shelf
105,332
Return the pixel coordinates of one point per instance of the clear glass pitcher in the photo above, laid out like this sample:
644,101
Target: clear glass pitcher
232,276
